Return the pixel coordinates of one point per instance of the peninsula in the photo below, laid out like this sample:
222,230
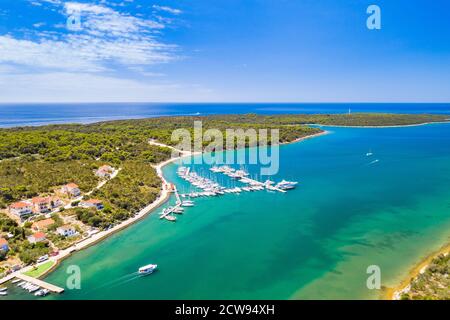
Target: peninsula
69,186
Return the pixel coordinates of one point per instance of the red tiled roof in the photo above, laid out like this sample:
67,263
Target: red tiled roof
3,242
41,200
19,205
93,201
71,186
44,223
39,235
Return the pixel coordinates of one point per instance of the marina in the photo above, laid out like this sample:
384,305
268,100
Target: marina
210,187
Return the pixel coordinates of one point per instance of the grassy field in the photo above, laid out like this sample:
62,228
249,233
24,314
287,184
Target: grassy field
40,270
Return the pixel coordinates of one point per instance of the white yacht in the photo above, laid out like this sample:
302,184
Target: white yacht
215,169
187,203
33,288
147,269
170,218
286,185
178,210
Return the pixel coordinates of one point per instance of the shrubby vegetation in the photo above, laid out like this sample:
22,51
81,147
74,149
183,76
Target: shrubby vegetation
26,178
30,252
79,142
135,187
18,244
434,283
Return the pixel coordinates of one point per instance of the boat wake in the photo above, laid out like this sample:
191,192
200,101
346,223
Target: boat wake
119,281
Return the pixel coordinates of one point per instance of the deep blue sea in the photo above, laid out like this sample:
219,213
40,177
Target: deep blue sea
12,115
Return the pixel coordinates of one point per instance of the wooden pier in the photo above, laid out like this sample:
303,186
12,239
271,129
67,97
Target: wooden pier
40,283
7,278
177,195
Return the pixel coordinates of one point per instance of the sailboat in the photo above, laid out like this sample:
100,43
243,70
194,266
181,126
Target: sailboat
368,154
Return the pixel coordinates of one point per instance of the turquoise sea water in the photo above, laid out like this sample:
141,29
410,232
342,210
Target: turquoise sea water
314,242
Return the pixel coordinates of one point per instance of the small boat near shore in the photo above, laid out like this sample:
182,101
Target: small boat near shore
33,288
42,293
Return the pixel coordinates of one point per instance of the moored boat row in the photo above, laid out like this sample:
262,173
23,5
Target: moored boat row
32,288
211,188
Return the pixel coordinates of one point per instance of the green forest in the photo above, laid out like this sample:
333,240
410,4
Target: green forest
135,187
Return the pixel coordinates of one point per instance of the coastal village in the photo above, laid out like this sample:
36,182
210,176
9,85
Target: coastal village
49,224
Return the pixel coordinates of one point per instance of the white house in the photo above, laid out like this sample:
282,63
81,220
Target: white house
41,205
37,237
104,171
92,203
21,209
71,189
66,231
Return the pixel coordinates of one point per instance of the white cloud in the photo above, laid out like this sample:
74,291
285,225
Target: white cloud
39,24
40,2
167,9
54,64
106,36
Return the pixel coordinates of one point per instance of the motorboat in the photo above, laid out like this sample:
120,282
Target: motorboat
148,269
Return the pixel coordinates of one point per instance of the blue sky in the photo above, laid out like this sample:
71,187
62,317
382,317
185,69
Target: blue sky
224,51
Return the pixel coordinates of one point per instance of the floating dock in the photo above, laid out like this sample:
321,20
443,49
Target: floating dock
169,211
177,195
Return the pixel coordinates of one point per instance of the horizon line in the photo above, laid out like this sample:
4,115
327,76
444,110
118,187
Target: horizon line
215,102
